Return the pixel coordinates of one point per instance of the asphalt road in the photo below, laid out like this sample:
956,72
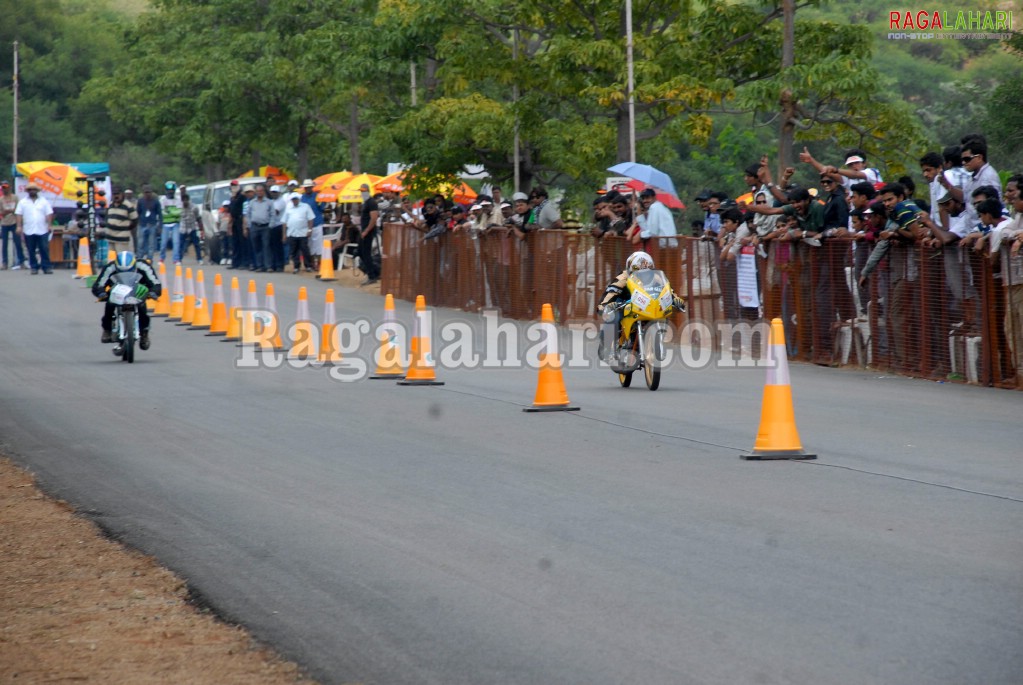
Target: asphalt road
382,534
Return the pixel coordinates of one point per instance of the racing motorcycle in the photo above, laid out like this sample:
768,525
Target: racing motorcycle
125,327
644,324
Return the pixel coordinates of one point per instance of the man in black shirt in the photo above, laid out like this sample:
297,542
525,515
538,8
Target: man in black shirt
368,227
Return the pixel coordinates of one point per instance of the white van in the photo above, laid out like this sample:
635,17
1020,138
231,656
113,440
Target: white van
214,196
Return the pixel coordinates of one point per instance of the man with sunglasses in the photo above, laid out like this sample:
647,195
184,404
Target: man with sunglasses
974,158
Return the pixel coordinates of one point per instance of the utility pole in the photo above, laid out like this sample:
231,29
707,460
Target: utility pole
14,148
787,133
515,100
630,86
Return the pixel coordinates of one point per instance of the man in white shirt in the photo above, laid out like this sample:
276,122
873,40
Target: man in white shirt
656,220
974,157
34,216
298,226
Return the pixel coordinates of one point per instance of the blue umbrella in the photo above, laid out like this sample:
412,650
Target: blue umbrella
647,174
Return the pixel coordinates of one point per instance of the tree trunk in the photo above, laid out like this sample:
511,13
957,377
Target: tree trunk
353,135
622,152
429,79
303,150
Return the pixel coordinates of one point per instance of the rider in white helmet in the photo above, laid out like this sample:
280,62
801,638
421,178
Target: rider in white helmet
618,291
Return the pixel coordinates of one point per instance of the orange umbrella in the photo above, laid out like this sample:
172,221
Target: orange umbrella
349,190
461,192
60,179
392,182
334,178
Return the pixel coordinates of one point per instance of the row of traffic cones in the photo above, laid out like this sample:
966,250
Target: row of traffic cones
777,436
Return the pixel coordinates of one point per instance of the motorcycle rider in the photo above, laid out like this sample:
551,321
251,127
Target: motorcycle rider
149,286
617,292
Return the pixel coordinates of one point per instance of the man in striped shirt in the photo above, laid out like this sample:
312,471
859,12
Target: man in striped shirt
121,220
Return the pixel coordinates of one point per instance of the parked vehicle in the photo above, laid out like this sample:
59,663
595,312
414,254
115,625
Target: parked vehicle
214,195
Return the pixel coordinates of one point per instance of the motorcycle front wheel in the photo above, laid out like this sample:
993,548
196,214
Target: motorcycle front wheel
655,355
128,353
625,379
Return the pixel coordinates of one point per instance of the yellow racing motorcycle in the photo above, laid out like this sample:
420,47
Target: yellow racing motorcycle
644,326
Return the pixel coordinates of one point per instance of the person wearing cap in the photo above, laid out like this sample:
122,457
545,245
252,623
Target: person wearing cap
277,237
367,231
9,225
171,222
855,168
33,218
298,221
316,237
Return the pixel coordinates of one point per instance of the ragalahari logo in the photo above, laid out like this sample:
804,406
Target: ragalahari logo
950,24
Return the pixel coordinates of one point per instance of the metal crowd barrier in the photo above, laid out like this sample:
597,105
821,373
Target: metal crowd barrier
942,314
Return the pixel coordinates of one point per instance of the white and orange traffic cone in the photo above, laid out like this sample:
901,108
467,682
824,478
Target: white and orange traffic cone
421,367
111,255
389,354
201,317
84,269
163,303
177,302
327,263
777,437
303,333
218,321
188,307
329,352
271,342
234,318
248,316
551,394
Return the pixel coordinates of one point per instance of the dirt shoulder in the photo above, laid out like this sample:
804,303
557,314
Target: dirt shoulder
77,607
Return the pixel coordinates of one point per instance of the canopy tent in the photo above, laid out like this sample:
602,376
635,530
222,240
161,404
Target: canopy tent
349,190
272,174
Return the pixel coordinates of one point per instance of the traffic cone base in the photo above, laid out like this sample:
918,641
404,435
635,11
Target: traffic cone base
551,394
777,437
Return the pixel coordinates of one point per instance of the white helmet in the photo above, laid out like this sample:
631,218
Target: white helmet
639,260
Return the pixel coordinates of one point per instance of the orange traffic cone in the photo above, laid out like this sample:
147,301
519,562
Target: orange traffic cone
218,324
163,303
111,255
327,263
234,319
201,312
188,307
177,304
389,355
329,353
248,316
84,269
270,305
551,394
777,437
421,367
303,334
